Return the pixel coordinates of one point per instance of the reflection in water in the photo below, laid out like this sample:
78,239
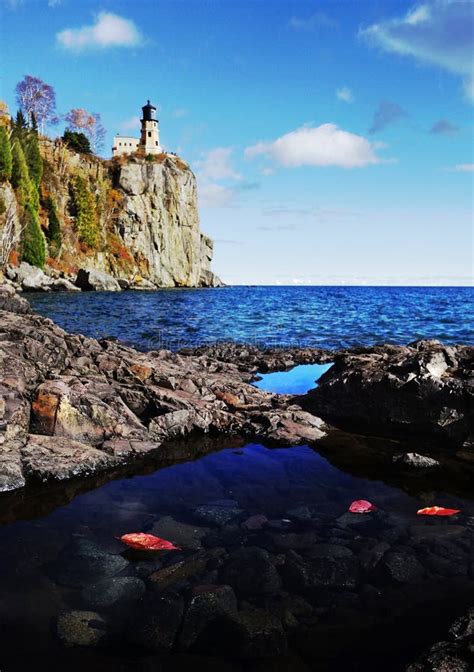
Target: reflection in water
298,380
304,498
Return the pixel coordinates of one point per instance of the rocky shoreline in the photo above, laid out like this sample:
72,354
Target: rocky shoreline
72,406
312,587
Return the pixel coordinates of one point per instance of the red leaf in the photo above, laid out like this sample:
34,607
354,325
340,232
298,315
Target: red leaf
437,511
362,506
147,542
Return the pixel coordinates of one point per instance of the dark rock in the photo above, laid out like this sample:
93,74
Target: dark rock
81,628
155,622
420,389
216,514
402,567
111,592
209,603
182,572
82,563
329,571
257,634
251,571
256,522
186,536
443,657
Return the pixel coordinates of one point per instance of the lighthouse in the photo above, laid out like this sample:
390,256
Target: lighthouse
149,142
150,134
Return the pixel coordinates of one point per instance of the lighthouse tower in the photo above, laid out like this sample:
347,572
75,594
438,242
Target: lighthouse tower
150,134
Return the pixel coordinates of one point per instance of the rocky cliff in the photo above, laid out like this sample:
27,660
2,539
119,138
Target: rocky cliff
139,220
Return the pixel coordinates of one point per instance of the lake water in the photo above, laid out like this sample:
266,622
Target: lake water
329,317
298,380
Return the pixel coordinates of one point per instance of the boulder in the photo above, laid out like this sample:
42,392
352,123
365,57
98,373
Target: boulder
90,279
423,389
111,592
155,622
82,563
416,461
32,278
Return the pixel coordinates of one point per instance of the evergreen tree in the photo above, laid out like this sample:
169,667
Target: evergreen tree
85,210
77,141
34,123
54,227
5,155
19,127
33,158
20,176
34,247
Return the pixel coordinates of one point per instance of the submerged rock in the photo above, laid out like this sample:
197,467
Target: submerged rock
81,628
251,571
114,591
82,563
155,622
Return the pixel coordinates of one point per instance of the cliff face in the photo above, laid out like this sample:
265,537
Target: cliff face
159,223
144,214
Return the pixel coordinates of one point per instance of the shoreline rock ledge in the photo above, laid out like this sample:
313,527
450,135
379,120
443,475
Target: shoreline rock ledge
71,406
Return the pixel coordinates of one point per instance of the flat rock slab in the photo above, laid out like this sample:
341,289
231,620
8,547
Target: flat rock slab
57,458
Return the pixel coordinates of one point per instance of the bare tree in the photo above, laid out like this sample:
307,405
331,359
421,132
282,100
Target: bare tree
9,236
36,99
88,123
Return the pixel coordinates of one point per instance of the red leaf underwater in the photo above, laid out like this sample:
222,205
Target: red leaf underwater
147,542
362,506
437,511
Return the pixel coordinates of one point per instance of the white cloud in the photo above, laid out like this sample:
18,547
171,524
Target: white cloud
109,30
325,145
267,171
438,33
216,164
54,3
213,195
345,94
131,124
464,168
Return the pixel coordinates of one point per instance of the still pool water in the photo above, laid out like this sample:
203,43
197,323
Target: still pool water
298,380
328,317
360,604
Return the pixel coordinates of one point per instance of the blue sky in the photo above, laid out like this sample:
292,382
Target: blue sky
333,141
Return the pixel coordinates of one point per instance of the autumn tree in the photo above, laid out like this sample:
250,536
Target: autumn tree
77,141
5,155
80,120
5,118
37,98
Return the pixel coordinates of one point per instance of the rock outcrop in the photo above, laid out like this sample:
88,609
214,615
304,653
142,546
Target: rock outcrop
424,389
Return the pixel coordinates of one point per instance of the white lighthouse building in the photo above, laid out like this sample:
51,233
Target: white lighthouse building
149,141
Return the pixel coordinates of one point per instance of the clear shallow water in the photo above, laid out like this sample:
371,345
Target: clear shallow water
330,317
300,493
298,380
